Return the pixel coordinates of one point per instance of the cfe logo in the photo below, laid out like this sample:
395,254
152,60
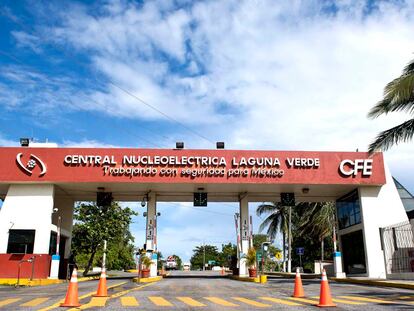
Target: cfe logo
353,167
31,164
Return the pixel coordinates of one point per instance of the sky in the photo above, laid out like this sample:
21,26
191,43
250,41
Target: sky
272,75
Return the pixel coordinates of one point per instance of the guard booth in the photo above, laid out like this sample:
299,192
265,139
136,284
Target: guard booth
40,185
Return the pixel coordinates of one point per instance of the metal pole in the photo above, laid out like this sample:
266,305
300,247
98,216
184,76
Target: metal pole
262,262
104,256
204,257
33,266
334,235
251,231
140,269
18,274
290,241
58,235
322,249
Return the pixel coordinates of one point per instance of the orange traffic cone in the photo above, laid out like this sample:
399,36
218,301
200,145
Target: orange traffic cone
72,299
222,270
102,290
298,292
325,298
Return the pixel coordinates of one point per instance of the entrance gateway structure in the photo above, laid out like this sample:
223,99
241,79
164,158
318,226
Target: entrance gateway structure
40,185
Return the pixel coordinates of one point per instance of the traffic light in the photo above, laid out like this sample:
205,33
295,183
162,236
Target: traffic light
265,246
200,199
287,198
103,198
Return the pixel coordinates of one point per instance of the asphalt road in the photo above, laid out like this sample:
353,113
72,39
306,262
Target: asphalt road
206,291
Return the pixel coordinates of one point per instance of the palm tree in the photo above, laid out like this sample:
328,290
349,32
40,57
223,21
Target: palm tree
398,96
276,221
318,220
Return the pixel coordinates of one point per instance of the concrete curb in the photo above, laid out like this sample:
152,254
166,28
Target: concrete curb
375,283
28,282
293,275
147,280
42,282
244,279
88,278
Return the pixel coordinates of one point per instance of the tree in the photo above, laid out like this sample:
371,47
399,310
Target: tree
161,261
258,239
94,225
311,224
197,260
276,221
228,251
398,96
178,261
317,221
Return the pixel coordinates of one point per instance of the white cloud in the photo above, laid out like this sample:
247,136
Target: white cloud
4,142
256,74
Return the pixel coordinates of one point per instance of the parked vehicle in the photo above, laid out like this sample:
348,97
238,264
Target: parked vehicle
171,263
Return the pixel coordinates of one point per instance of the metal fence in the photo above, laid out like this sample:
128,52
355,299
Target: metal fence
398,246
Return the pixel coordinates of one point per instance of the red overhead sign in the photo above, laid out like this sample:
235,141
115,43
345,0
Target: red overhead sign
56,165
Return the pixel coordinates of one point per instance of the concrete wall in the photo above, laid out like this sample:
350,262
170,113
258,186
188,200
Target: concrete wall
380,207
28,206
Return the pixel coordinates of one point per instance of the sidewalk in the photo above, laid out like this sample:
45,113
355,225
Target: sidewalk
406,284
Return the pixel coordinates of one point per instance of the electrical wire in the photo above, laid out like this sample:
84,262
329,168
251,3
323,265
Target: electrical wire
34,70
32,32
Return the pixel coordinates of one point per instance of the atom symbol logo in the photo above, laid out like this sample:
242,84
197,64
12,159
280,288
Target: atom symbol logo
31,164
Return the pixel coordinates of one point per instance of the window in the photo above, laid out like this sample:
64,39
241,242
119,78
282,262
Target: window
349,210
21,241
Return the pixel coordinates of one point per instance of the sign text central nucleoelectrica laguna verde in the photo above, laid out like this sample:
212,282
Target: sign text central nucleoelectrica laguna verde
191,166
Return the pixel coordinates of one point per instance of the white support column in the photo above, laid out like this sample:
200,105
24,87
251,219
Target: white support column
151,232
380,207
63,209
28,207
244,235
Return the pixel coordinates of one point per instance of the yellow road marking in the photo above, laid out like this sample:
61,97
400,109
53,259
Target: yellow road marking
221,302
191,302
345,301
251,302
129,290
8,301
313,302
405,297
35,302
129,301
57,304
159,301
95,302
366,299
281,301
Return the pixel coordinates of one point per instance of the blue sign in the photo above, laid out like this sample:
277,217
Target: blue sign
300,251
